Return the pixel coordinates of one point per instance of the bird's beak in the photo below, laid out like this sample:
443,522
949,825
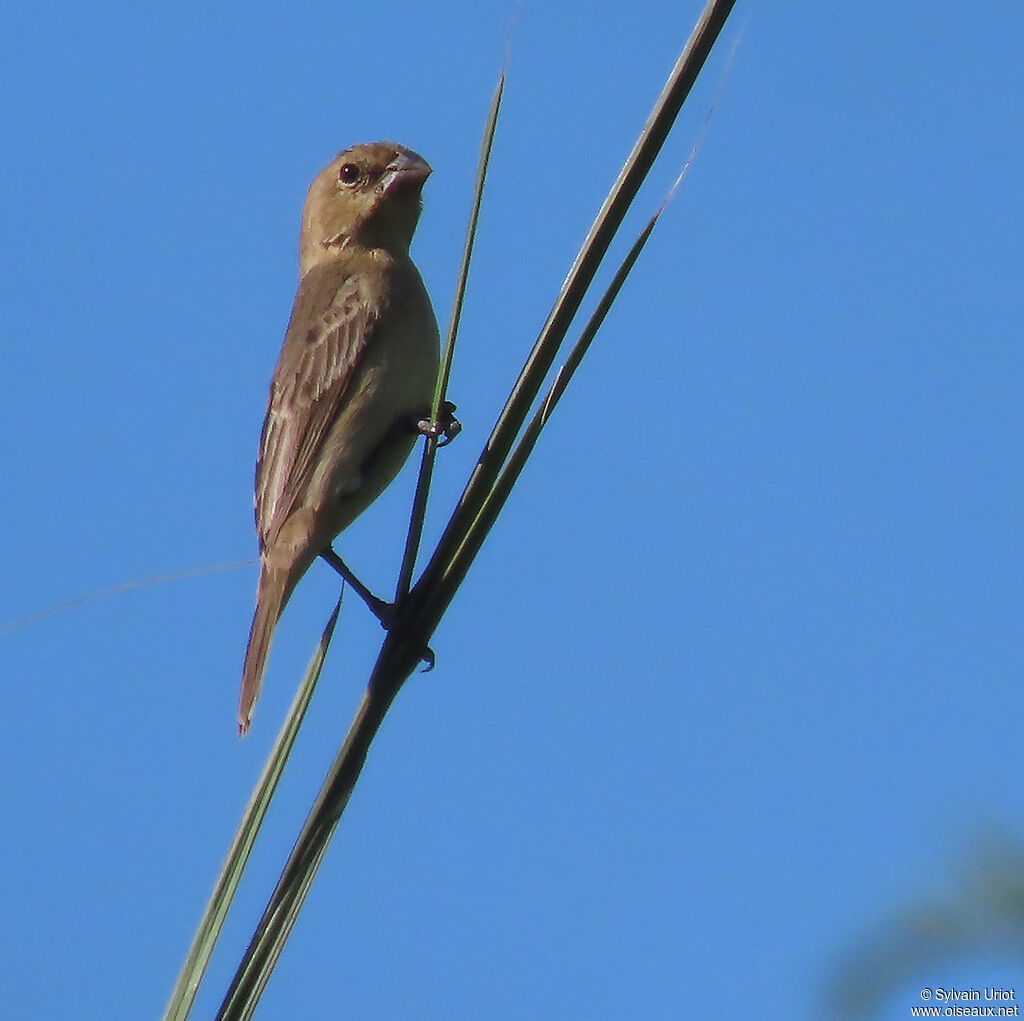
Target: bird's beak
408,170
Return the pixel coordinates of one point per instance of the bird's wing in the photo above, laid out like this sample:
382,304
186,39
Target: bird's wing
330,326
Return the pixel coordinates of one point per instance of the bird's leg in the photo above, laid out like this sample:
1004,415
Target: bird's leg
447,425
384,612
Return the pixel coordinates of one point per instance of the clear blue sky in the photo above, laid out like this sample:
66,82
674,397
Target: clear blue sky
738,672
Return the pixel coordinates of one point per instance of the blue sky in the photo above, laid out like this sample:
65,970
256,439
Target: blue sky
738,672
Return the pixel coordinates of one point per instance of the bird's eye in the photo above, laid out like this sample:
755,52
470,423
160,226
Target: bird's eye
348,174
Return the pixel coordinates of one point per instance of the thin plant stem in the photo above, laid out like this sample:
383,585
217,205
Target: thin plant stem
184,993
419,506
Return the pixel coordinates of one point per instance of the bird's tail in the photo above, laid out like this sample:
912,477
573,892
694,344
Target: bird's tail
274,588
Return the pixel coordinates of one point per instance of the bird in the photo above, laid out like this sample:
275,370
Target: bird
354,381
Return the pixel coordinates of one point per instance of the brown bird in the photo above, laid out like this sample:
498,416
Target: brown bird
356,373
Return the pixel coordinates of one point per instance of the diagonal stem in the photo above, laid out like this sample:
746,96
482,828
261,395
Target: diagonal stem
539,362
571,295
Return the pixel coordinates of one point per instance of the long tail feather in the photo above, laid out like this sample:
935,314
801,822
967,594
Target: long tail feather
271,596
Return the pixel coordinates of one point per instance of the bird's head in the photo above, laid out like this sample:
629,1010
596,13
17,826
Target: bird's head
368,195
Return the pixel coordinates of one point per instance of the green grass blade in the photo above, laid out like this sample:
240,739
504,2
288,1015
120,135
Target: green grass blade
184,993
297,876
419,507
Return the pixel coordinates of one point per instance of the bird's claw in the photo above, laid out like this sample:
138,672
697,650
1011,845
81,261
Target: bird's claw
387,614
447,425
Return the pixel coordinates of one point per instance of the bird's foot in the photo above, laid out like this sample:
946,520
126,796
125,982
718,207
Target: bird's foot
447,425
385,612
